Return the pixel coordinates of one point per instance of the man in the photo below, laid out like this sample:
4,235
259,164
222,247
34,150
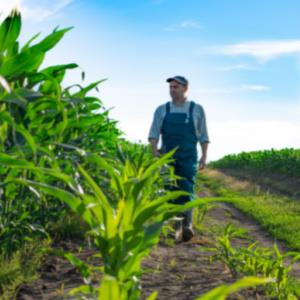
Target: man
182,124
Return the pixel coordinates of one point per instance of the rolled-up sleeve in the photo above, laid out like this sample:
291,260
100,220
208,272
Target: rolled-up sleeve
155,128
202,127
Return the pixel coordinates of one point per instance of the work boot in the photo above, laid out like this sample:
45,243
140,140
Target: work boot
187,227
178,231
187,234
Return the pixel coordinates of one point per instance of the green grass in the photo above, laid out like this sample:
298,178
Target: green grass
21,268
278,215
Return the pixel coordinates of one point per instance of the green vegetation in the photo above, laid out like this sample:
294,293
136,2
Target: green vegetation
276,214
254,260
52,140
221,292
285,161
42,125
20,268
65,171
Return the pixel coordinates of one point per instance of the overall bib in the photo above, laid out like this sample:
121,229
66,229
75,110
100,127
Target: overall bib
178,130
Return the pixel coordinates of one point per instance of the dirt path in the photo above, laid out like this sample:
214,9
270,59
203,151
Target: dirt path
178,271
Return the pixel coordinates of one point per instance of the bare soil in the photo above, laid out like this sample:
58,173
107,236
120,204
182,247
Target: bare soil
177,271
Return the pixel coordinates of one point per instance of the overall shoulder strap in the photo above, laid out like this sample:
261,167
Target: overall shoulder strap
168,107
192,105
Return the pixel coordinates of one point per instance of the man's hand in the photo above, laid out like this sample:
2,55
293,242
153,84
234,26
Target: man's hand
202,163
156,152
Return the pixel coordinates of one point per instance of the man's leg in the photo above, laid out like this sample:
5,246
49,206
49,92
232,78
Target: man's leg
178,223
187,171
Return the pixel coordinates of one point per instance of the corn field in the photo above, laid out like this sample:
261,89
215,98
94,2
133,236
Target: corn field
62,155
285,161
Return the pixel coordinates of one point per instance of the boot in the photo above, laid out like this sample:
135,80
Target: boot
187,227
178,230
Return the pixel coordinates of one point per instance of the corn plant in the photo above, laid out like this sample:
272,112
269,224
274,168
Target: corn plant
46,123
223,249
126,221
284,161
200,213
272,263
257,261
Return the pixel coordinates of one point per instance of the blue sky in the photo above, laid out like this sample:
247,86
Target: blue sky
242,59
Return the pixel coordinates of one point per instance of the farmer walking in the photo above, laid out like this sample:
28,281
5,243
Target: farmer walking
181,123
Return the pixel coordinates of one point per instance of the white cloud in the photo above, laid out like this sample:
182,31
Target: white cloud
262,50
233,89
237,67
255,88
186,24
39,11
190,24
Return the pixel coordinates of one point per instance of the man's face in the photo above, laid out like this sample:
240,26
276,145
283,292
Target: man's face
177,90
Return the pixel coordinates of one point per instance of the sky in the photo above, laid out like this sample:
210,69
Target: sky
242,59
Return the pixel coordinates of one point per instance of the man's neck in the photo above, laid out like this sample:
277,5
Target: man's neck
179,101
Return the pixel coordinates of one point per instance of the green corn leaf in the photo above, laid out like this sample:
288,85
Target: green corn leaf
5,116
56,72
23,63
109,289
81,266
12,161
31,58
153,296
29,138
84,122
75,203
96,211
50,41
96,189
159,163
83,289
9,31
108,212
14,98
151,234
58,68
84,91
26,46
104,165
72,147
28,94
221,292
145,212
58,174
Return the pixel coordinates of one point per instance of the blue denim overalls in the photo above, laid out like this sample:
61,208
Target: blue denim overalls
178,130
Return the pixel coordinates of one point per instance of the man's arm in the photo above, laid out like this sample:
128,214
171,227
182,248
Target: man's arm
153,143
203,138
202,162
155,129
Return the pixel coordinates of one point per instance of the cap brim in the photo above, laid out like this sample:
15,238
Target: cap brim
177,80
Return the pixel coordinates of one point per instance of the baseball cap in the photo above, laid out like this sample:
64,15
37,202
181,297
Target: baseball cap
180,79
